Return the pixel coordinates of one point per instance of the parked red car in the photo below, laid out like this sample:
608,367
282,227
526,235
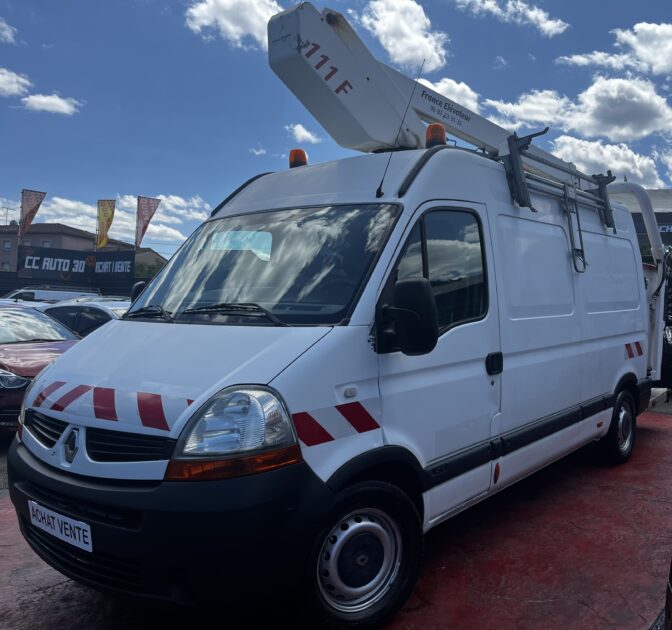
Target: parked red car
29,341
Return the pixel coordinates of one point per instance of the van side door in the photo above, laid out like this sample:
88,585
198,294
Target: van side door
441,405
541,337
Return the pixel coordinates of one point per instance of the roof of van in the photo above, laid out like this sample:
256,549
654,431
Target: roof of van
348,180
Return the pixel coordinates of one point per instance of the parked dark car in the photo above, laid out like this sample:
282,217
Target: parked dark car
85,315
29,341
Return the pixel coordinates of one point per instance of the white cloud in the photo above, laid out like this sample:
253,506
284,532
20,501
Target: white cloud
602,59
258,150
651,44
516,12
173,211
7,32
52,103
618,109
500,63
405,31
646,47
666,159
598,157
13,84
542,107
83,216
301,134
242,23
622,109
456,91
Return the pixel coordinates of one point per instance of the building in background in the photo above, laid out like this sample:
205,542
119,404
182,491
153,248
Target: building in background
60,236
53,254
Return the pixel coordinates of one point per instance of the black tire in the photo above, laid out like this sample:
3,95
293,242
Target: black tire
372,542
618,444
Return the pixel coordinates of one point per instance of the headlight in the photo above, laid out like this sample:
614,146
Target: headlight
240,430
9,380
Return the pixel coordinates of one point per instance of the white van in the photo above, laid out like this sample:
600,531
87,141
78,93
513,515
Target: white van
331,366
45,293
318,377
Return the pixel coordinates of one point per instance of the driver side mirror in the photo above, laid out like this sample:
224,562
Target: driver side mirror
138,288
415,315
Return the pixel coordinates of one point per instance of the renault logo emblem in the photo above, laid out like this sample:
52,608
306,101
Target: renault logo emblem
71,445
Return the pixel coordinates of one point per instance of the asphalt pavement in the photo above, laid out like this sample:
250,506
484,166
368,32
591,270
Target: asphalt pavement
496,553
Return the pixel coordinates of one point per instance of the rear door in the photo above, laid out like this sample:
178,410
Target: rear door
441,405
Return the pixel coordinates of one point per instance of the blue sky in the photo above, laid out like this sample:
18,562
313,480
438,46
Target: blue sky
175,98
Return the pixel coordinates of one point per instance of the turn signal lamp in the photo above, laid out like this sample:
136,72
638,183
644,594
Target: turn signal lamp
298,157
205,469
436,135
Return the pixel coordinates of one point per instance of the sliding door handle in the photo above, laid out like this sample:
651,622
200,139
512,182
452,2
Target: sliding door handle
494,363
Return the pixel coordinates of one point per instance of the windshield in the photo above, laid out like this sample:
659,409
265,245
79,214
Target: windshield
21,326
300,266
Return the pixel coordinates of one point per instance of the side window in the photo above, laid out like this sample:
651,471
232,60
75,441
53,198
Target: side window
455,266
445,247
410,263
67,315
90,319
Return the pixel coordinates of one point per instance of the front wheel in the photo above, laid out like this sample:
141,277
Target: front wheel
367,558
619,442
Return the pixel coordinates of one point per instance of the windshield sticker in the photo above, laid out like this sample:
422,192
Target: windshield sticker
259,243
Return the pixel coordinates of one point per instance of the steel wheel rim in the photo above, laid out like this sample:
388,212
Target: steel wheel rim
624,428
364,543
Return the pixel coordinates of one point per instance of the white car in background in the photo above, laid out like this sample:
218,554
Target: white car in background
84,315
46,293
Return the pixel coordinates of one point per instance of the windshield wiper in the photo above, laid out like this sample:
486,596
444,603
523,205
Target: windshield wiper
237,307
152,310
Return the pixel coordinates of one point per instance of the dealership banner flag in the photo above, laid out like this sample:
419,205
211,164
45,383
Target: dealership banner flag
146,208
30,204
105,218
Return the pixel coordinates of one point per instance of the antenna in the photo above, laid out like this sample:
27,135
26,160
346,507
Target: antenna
379,191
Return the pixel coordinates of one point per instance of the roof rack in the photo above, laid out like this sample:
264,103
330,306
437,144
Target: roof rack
521,180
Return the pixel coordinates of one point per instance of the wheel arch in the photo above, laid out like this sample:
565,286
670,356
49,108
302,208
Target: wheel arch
628,382
393,464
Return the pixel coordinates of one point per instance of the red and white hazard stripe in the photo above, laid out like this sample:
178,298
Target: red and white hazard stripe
151,410
332,423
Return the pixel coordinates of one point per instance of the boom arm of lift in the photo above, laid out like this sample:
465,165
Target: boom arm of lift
656,280
364,104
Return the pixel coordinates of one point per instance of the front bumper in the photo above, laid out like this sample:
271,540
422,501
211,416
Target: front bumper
182,541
